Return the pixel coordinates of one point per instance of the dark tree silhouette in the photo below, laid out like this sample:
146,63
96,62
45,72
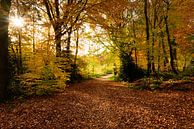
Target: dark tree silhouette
4,14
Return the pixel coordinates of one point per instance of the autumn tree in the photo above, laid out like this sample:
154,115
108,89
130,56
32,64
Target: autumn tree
171,42
4,17
63,17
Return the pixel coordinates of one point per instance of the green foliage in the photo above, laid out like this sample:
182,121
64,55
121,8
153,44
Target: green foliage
169,75
81,69
47,73
188,72
108,71
112,78
137,87
99,64
155,83
185,75
13,88
75,74
146,84
41,90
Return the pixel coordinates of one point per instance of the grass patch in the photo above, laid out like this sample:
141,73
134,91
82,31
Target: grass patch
112,78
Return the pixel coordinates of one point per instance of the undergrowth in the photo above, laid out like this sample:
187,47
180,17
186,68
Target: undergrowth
163,81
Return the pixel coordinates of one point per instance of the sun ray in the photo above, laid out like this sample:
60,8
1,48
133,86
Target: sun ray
17,21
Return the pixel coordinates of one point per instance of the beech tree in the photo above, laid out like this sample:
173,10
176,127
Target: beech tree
171,42
63,17
4,22
147,36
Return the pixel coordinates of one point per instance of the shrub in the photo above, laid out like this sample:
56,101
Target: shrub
137,87
169,75
109,71
43,76
47,73
129,71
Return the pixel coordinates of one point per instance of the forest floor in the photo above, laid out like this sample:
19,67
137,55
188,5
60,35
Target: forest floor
102,104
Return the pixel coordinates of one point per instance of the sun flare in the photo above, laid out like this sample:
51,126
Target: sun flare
17,21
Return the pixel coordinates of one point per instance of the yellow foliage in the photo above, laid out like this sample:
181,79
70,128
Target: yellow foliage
44,75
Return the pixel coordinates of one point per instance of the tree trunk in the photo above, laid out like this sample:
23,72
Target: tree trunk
136,57
33,33
58,36
170,43
55,21
77,45
134,36
152,52
172,58
4,14
165,59
154,35
68,43
159,52
185,62
20,51
147,37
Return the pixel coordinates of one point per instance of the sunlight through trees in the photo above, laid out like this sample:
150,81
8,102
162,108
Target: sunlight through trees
17,21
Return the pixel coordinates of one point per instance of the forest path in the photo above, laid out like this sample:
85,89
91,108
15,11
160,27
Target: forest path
101,104
106,77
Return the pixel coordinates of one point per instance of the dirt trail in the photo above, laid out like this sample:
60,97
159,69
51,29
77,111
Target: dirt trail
101,104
